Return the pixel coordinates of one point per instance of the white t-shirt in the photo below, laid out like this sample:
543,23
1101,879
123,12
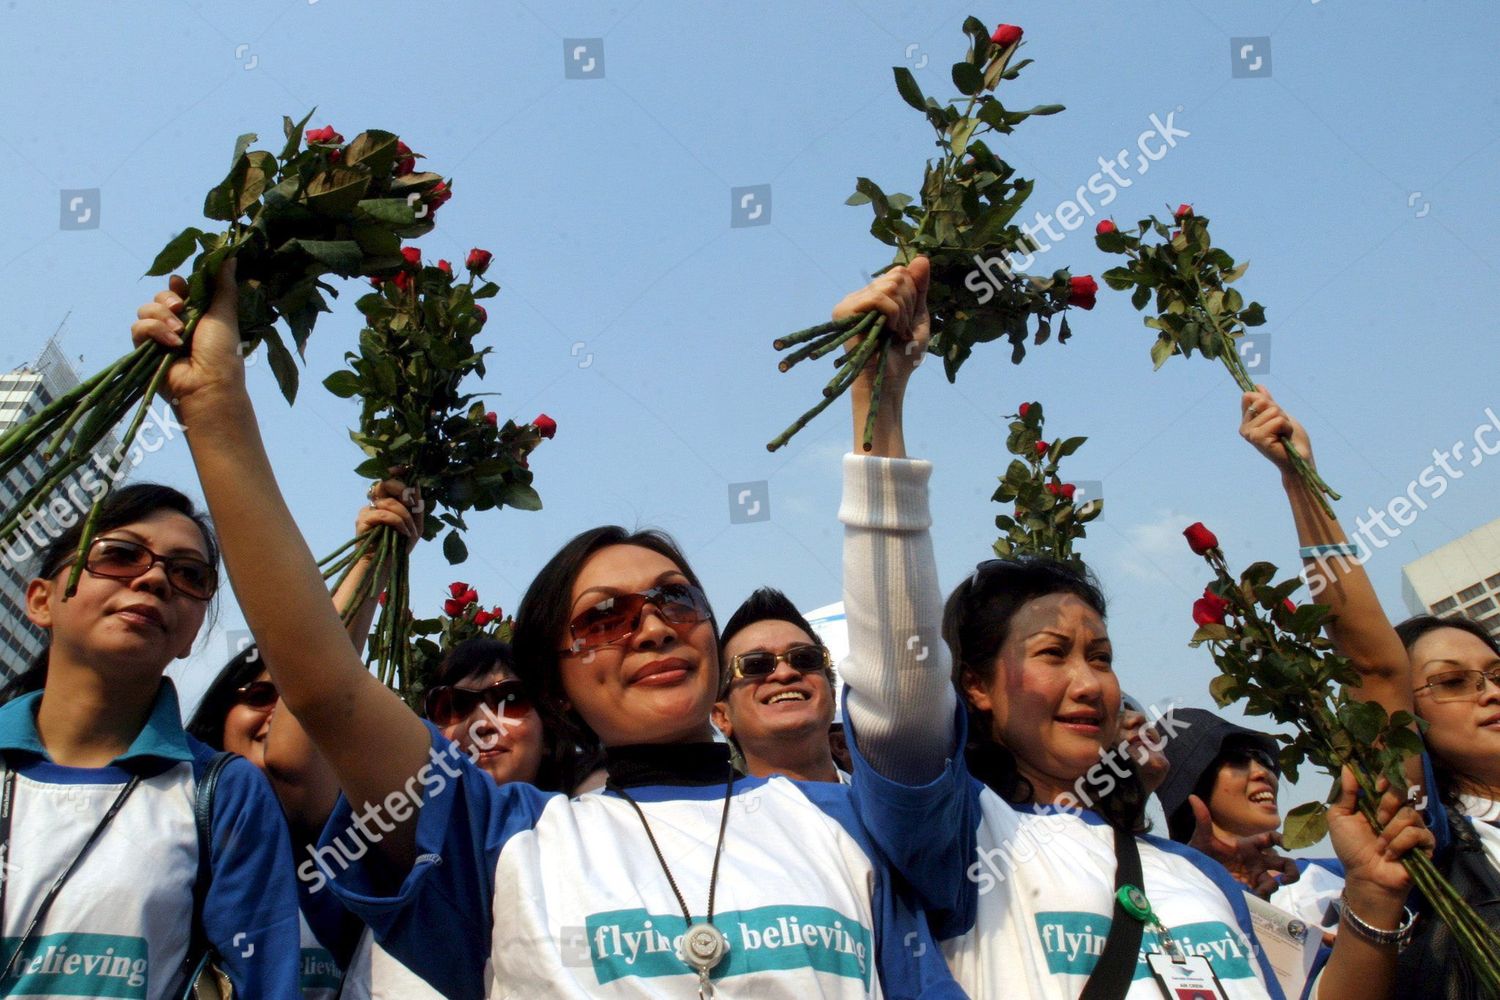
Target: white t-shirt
1485,814
375,975
520,894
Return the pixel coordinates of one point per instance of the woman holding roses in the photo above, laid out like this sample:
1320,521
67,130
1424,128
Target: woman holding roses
511,891
1446,670
1020,882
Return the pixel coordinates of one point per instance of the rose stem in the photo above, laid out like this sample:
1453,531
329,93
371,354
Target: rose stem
820,346
854,362
869,441
105,386
812,332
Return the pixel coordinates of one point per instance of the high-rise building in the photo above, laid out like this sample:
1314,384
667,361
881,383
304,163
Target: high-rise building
23,393
1462,577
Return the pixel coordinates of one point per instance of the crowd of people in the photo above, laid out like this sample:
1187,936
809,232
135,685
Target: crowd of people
632,800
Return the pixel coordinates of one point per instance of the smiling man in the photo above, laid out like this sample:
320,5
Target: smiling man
777,703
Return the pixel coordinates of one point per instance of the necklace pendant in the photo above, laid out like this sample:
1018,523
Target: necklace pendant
704,947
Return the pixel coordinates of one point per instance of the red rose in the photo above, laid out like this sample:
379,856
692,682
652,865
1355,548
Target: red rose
1176,233
479,261
1210,609
545,425
1025,409
452,608
496,613
469,597
1290,605
1199,538
402,280
1081,291
438,196
412,256
1041,448
483,618
406,162
1067,490
445,267
492,418
1183,211
1006,35
326,134
484,317
457,589
1106,226
377,281
335,156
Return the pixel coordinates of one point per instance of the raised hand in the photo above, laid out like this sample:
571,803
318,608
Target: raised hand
1253,861
1267,427
216,363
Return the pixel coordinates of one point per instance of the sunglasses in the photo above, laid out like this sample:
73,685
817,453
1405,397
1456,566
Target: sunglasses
761,663
616,618
1460,685
447,704
259,695
1242,756
121,559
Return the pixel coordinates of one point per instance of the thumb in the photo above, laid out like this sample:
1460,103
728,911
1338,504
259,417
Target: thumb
1201,814
1348,790
920,270
225,304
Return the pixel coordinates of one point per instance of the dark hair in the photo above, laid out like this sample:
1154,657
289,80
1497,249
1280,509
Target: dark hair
123,506
765,604
207,722
976,623
545,610
1449,782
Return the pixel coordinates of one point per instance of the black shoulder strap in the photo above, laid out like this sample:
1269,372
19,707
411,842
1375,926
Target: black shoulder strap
1112,976
203,816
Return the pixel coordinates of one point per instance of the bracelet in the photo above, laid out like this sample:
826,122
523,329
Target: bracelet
1400,937
1337,549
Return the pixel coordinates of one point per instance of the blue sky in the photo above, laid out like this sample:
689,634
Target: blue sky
1358,177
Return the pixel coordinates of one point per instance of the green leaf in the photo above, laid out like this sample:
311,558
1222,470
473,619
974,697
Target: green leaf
1254,314
521,497
959,141
175,252
240,145
1363,720
907,85
1119,278
1044,109
968,78
454,549
337,190
1305,826
293,132
342,257
1163,349
1223,688
375,150
283,365
1140,297
343,384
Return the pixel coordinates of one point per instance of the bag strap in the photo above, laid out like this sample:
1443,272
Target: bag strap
8,779
203,817
1117,963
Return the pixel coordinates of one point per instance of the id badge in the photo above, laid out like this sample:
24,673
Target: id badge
1192,979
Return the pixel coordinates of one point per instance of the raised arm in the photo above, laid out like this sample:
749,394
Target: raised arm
371,739
1359,629
900,698
303,779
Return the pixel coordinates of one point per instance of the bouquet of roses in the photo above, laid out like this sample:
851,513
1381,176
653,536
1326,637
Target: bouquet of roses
1046,521
1273,657
1195,307
962,222
319,208
463,618
416,422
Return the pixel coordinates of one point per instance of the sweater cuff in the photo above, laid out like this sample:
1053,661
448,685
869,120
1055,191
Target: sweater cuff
886,493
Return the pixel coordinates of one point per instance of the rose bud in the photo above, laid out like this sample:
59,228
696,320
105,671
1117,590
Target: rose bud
445,267
1200,539
1041,448
1183,211
479,311
545,425
1067,490
1025,409
324,135
1105,227
452,608
412,256
479,261
402,280
496,613
457,589
1082,290
492,418
469,597
1210,609
1290,605
438,196
483,618
377,281
1006,35
406,162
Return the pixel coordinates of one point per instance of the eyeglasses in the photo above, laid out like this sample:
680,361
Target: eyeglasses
617,617
761,663
260,695
1243,756
447,704
1460,685
120,559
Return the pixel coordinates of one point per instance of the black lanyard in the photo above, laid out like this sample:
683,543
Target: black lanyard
7,803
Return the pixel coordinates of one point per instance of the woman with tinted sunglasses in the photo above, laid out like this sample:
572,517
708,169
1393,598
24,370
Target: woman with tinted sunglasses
100,776
657,887
1015,679
236,713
